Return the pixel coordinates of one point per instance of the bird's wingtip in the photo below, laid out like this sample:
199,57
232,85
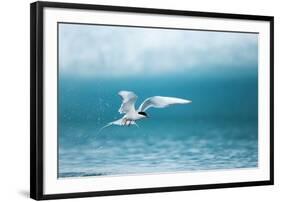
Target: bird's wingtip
187,101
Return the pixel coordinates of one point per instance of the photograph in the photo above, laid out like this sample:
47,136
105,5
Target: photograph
134,100
140,100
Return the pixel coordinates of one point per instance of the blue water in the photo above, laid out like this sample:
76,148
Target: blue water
219,130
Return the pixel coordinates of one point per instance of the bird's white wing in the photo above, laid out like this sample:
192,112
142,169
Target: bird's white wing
128,101
161,102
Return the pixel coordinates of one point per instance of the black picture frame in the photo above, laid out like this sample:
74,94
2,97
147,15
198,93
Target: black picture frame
36,98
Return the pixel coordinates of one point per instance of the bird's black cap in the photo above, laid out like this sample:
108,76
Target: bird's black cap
143,113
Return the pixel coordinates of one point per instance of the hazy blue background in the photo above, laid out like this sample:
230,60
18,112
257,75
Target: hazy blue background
217,70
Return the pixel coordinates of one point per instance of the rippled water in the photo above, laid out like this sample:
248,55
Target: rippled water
165,148
217,131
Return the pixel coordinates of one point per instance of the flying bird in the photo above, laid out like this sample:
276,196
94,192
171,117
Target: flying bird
131,114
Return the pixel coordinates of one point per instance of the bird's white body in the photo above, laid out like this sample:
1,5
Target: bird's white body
132,115
131,118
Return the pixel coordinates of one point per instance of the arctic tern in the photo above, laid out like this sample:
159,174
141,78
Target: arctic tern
132,115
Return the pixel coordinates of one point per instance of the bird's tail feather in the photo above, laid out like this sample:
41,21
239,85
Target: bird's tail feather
107,125
119,122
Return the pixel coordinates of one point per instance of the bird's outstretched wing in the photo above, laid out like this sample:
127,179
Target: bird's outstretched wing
161,102
128,101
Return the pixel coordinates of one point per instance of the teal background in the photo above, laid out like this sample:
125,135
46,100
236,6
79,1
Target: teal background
218,130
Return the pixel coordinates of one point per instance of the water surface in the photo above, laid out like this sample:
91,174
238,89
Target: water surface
217,131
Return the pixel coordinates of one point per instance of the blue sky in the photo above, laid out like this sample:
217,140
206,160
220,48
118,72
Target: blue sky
103,51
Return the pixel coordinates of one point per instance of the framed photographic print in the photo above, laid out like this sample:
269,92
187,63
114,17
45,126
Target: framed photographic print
131,100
